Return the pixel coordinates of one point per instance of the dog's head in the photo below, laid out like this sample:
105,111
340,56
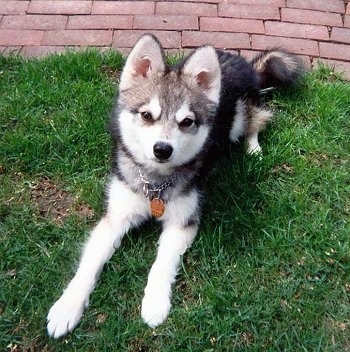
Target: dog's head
165,114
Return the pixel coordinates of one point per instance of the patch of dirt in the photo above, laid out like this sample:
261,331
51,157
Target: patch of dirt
138,346
55,203
28,345
113,74
338,333
246,338
284,168
321,158
84,210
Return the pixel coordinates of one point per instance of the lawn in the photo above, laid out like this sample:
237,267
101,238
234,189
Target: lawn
270,269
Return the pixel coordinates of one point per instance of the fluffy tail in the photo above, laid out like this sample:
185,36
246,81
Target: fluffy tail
276,68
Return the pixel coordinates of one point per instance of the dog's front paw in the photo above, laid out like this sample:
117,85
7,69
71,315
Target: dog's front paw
65,314
155,308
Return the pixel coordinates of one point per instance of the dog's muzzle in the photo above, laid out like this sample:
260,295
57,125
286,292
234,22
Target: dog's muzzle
162,151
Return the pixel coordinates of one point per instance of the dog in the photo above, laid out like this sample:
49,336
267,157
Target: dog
168,126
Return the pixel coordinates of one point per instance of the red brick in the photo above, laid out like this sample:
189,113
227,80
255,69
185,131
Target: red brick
278,3
185,8
59,7
128,38
341,35
184,52
249,54
339,66
332,6
297,46
207,1
311,17
123,7
78,37
13,7
219,40
296,30
347,21
334,51
100,22
40,51
45,22
249,11
166,22
216,24
123,51
20,37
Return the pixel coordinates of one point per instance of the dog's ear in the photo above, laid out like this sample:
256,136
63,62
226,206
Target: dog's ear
204,66
146,58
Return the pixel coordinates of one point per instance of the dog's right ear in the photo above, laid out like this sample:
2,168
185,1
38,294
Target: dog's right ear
203,65
145,59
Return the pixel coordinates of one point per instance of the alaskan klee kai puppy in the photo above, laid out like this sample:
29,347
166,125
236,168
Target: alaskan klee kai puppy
168,126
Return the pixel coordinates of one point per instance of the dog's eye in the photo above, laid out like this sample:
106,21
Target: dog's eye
146,116
187,122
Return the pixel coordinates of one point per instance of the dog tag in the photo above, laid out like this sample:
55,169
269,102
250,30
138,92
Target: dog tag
157,207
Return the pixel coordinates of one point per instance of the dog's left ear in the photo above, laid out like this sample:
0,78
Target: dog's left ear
204,66
145,59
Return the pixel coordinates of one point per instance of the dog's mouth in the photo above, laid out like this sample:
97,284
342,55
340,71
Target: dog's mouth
160,161
163,165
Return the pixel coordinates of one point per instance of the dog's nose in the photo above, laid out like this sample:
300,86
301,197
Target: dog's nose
162,150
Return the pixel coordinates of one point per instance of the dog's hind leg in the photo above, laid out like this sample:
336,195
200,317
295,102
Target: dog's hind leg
65,314
253,146
180,228
257,118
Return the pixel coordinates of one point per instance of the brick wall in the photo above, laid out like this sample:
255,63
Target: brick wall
317,30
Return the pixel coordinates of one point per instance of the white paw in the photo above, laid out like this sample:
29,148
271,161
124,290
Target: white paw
155,308
254,149
65,314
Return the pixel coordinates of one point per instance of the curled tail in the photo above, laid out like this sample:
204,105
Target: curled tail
276,68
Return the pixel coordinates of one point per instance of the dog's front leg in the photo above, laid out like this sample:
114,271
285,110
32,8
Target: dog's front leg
179,230
65,314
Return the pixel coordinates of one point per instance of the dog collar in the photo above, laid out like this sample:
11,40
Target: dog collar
154,193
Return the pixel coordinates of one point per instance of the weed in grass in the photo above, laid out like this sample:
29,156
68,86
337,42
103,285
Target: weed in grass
270,268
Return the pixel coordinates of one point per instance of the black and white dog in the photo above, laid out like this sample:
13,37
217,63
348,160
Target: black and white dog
168,126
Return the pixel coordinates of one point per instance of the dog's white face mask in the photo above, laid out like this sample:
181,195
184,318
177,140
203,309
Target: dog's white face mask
164,114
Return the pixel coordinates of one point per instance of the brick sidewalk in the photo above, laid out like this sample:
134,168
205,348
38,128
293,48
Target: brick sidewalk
319,30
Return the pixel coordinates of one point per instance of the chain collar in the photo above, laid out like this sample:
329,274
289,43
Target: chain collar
149,188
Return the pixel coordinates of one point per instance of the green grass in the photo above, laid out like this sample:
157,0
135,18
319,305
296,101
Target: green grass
270,269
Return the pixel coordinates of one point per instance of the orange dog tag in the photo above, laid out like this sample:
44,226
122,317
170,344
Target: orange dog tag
157,207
